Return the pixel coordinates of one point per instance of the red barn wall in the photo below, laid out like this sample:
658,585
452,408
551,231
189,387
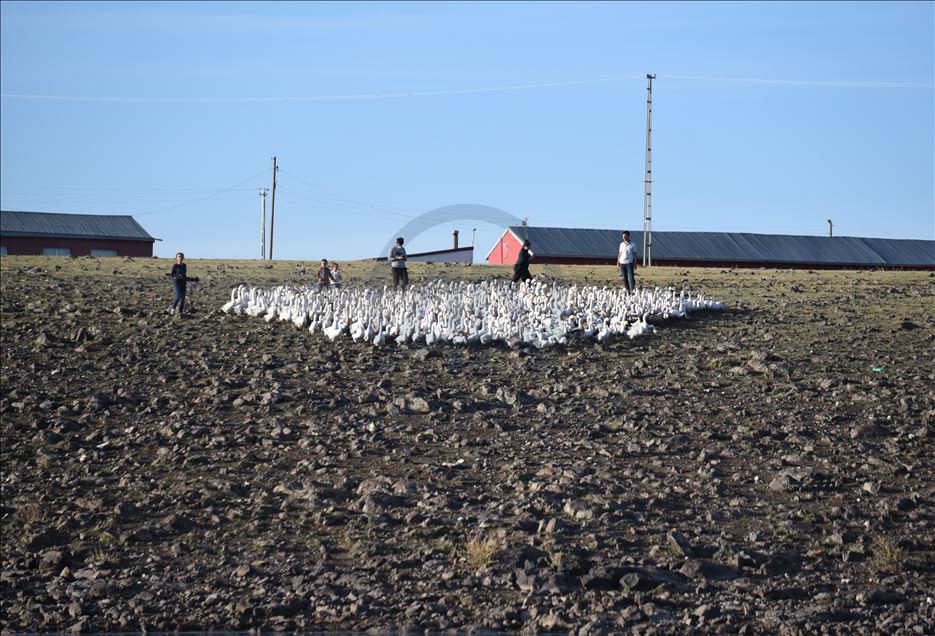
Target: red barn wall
32,245
507,250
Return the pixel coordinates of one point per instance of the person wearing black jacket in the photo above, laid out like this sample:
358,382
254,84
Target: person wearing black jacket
521,268
179,283
324,277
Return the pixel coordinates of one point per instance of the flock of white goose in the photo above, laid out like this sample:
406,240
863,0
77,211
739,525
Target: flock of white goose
537,313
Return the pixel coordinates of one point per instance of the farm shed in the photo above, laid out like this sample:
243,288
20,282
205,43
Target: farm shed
55,234
457,255
463,255
716,249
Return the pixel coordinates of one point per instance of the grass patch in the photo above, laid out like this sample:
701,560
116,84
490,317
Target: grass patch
555,559
724,555
886,555
442,545
666,551
479,552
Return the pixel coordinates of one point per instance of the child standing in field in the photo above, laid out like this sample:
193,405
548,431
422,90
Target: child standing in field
324,276
179,283
397,260
335,276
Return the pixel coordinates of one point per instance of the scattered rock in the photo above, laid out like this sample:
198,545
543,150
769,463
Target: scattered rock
753,471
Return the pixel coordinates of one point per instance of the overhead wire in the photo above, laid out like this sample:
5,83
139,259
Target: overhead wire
340,203
355,212
462,91
336,207
29,202
330,203
338,196
327,206
800,82
210,196
109,189
313,98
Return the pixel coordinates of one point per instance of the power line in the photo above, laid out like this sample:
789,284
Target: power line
344,198
460,91
105,189
93,199
800,82
202,198
412,220
338,209
353,207
311,98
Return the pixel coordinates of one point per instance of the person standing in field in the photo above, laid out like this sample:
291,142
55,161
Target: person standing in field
324,277
179,277
335,276
398,265
521,268
626,257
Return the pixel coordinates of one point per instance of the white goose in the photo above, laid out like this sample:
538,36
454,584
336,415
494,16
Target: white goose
541,314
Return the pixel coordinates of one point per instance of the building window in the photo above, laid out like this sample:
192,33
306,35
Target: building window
103,253
56,251
2,250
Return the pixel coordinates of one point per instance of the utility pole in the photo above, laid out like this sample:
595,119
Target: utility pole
647,199
263,225
272,210
830,226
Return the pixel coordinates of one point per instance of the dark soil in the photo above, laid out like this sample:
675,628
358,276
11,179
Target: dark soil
768,468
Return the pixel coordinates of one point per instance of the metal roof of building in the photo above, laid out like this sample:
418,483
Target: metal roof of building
731,246
91,226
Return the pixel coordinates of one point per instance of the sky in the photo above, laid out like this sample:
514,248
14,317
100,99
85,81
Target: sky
767,118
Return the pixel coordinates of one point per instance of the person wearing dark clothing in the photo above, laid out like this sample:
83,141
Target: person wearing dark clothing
398,265
179,283
521,268
325,277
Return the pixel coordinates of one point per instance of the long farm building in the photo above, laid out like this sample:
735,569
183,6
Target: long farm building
53,234
558,245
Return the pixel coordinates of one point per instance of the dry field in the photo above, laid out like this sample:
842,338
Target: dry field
768,468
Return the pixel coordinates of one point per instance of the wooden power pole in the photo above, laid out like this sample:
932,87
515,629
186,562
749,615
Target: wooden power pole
272,210
263,226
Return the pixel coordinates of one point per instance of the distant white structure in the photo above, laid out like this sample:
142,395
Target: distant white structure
458,255
464,255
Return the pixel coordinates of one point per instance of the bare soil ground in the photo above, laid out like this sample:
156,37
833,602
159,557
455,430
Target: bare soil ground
768,468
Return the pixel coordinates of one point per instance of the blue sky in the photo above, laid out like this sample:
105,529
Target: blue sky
172,111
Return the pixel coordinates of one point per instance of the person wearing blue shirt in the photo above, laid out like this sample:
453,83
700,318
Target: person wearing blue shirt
398,265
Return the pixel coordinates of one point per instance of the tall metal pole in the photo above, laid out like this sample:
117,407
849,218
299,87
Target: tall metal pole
263,226
647,199
272,211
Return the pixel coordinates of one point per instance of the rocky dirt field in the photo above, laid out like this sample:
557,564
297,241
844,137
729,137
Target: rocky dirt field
768,468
